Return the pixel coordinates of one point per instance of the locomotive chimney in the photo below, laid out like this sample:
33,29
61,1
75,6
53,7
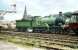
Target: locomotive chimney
60,14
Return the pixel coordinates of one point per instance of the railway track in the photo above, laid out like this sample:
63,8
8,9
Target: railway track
56,41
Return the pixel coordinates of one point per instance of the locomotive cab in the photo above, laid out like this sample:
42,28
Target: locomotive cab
72,24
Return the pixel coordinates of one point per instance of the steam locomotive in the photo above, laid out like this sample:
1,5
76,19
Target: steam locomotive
41,24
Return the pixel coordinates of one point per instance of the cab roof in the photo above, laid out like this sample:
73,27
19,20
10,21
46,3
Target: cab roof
75,13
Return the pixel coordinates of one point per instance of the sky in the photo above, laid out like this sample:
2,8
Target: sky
46,7
3,5
39,7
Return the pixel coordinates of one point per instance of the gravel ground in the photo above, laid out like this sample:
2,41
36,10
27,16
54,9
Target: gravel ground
57,41
10,46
